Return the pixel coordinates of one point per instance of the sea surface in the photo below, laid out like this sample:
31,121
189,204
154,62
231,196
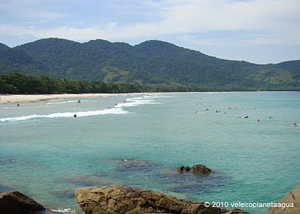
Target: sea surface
46,153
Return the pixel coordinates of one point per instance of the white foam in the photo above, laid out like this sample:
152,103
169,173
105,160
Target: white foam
118,109
131,102
65,211
62,102
67,114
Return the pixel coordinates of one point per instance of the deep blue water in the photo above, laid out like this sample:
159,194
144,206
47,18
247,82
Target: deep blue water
46,153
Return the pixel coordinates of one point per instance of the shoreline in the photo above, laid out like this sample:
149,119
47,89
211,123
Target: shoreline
21,98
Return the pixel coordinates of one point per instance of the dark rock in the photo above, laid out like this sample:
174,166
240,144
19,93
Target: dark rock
180,169
133,200
197,168
187,168
291,201
15,202
200,169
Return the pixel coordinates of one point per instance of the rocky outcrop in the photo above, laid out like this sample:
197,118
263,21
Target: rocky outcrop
291,201
15,202
200,169
197,168
118,199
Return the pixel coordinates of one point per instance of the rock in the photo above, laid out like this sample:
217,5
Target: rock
291,201
15,202
187,168
133,200
200,169
180,169
197,168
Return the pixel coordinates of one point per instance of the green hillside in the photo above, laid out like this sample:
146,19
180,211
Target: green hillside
151,62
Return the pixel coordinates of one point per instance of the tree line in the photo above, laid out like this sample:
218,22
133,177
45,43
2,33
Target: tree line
18,83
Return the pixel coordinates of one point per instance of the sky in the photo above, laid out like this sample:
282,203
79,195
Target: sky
257,31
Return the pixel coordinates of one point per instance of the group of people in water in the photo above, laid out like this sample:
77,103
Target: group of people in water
244,117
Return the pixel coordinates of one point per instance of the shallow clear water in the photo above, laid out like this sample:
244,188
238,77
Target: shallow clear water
46,153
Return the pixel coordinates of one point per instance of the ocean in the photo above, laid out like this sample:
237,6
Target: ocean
138,140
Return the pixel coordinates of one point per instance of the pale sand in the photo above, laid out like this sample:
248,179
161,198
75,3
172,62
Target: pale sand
40,97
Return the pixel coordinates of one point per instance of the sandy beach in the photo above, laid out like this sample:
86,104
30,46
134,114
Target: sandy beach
40,97
19,98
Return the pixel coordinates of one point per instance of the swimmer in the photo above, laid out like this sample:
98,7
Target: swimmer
295,124
258,120
79,101
75,115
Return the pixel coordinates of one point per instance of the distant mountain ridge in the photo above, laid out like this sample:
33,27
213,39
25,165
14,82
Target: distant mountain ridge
150,62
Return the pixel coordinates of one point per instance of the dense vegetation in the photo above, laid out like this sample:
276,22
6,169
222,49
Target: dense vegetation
159,65
17,83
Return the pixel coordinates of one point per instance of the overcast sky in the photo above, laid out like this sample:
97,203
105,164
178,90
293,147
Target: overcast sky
259,31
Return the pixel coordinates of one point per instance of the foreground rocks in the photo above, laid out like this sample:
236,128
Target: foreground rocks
15,202
291,201
197,168
133,200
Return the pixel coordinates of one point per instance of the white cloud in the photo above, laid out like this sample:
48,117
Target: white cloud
277,21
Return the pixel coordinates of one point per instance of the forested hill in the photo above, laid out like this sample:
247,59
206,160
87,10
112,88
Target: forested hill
151,62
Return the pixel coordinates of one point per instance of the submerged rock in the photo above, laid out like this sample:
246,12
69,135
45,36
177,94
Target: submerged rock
86,180
133,200
134,164
291,202
15,202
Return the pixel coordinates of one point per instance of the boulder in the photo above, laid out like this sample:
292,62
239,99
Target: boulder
118,199
197,168
15,202
291,202
200,169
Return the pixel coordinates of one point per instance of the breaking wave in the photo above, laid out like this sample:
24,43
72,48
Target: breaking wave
118,109
67,114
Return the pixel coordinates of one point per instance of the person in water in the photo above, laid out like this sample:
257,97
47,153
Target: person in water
75,115
295,124
258,120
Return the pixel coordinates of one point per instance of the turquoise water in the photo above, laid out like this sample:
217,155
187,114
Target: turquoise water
46,153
